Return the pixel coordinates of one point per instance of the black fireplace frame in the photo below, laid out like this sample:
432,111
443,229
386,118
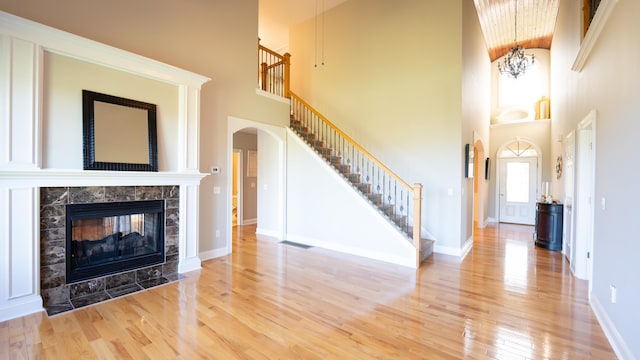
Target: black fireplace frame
97,210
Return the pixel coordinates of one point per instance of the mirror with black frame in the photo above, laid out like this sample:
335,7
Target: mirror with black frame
118,134
468,161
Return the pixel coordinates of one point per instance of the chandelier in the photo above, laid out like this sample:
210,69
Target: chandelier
516,62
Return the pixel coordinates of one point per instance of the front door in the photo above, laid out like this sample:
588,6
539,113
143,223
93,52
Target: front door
518,190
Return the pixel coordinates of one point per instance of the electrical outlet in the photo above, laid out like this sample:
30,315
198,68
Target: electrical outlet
217,233
614,294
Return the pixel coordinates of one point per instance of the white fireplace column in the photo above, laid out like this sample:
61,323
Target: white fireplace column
19,202
23,44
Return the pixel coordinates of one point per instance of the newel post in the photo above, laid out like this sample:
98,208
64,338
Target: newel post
417,220
263,76
287,69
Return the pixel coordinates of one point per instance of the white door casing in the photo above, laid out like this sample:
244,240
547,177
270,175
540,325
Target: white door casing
518,190
568,228
583,198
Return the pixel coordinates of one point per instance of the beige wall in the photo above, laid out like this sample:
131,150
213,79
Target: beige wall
64,80
393,82
215,38
476,85
609,83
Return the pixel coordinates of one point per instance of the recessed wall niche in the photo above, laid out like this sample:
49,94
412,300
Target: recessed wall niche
64,80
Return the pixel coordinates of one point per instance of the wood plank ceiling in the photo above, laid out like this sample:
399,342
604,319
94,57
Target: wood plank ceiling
536,24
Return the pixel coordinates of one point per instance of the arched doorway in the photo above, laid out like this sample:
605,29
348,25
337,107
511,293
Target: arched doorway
268,181
518,180
479,185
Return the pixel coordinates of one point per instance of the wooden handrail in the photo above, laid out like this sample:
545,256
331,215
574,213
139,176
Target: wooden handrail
352,142
273,65
271,52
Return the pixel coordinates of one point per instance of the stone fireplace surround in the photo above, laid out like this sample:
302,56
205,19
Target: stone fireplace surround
60,297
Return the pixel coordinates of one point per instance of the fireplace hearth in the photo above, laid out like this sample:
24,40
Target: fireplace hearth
98,243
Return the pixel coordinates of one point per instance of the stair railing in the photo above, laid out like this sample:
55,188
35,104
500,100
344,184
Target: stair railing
399,201
273,71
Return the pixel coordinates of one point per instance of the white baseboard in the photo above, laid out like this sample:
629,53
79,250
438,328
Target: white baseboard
249,221
211,254
468,245
453,251
491,220
410,261
20,307
446,250
270,234
615,339
190,264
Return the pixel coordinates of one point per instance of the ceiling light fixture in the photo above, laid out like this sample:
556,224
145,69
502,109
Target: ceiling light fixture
516,62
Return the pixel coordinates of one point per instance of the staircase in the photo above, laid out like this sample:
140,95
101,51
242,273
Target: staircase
398,202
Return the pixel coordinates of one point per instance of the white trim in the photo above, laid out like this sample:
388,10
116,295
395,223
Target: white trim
273,96
211,254
460,253
518,123
20,307
352,250
491,220
250,221
466,248
271,234
447,250
595,28
190,264
67,44
616,341
43,178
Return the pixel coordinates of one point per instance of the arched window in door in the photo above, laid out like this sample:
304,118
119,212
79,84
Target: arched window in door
518,148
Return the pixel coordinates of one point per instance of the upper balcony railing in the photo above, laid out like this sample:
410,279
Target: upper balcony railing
273,71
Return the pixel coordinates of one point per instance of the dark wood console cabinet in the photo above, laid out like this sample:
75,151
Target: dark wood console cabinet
549,226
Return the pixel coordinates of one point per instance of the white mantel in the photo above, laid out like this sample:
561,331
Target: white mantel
23,45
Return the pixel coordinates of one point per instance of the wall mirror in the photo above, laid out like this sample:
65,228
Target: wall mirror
468,161
118,134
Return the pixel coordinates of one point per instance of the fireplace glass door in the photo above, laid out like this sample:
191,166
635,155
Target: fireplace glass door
107,238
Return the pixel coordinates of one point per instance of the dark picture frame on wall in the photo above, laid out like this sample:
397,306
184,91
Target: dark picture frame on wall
487,168
468,161
119,134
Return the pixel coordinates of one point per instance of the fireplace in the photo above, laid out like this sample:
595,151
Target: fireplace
101,242
112,237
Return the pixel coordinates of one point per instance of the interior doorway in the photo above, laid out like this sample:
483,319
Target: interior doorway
480,178
265,177
518,182
581,241
236,191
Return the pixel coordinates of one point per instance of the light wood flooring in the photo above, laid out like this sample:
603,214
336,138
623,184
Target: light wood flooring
506,300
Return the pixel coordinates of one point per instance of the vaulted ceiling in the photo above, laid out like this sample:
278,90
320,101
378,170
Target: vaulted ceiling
536,21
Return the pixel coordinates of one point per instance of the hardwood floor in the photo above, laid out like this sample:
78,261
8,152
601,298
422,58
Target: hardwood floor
506,300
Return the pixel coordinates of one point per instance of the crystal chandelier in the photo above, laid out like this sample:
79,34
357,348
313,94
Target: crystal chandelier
516,62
